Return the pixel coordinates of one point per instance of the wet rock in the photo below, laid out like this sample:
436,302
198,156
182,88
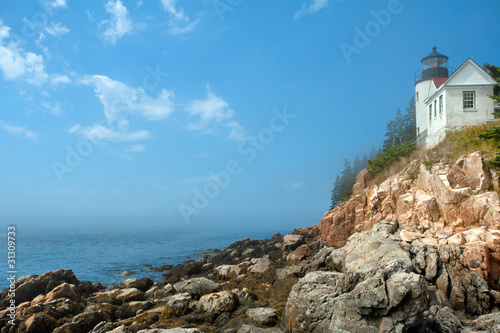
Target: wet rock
83,322
223,301
264,316
299,253
177,305
64,290
245,328
126,273
489,323
442,319
196,287
28,288
39,322
261,265
291,242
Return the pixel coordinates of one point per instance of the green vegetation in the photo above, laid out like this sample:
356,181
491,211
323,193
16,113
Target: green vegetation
492,134
390,156
494,71
400,131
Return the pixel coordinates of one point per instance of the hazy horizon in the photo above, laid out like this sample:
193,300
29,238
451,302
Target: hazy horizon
205,115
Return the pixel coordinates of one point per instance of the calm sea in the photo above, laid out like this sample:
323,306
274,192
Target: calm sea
102,256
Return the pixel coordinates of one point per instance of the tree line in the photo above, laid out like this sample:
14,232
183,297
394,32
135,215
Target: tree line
401,129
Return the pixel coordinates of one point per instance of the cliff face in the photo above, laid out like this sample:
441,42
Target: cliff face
446,205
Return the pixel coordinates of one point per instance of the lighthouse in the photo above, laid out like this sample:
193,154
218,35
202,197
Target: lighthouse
448,99
434,66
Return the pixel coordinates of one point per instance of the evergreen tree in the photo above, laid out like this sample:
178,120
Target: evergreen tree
357,166
373,153
336,193
364,162
494,71
410,122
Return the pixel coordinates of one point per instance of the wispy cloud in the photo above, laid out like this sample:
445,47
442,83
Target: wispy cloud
15,63
56,29
179,23
18,130
118,133
120,100
118,24
294,185
56,3
55,108
213,111
136,148
311,7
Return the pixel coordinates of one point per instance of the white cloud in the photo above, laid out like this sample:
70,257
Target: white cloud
18,130
119,24
56,3
55,108
179,23
120,100
294,185
56,29
310,8
211,111
59,79
136,148
98,133
15,63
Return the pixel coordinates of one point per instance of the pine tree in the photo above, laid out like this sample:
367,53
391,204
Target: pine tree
409,122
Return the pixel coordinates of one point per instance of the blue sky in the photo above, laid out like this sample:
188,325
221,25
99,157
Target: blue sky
210,113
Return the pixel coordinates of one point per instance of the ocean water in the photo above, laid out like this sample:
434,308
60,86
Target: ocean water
102,256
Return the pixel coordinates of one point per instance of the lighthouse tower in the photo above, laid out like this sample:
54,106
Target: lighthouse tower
434,66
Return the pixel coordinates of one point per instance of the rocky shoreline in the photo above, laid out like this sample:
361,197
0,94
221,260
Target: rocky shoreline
418,253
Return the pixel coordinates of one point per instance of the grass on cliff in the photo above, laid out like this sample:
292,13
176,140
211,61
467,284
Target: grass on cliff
455,144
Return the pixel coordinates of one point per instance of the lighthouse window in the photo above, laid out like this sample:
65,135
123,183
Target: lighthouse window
469,99
441,104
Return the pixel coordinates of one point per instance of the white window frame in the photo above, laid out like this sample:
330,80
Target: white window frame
469,100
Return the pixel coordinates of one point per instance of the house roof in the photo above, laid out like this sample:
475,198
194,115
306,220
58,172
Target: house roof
447,80
439,81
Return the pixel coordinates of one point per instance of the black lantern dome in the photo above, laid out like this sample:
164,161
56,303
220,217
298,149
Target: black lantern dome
435,65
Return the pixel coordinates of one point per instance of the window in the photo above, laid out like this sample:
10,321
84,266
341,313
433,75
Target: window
441,104
435,109
469,99
430,112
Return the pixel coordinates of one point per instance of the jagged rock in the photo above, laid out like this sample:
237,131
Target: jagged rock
130,309
372,249
171,330
39,322
311,234
226,270
126,273
83,322
30,287
489,323
264,316
129,295
261,265
408,236
470,171
223,301
291,242
177,305
482,209
106,297
476,293
196,287
64,290
442,319
245,328
299,253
